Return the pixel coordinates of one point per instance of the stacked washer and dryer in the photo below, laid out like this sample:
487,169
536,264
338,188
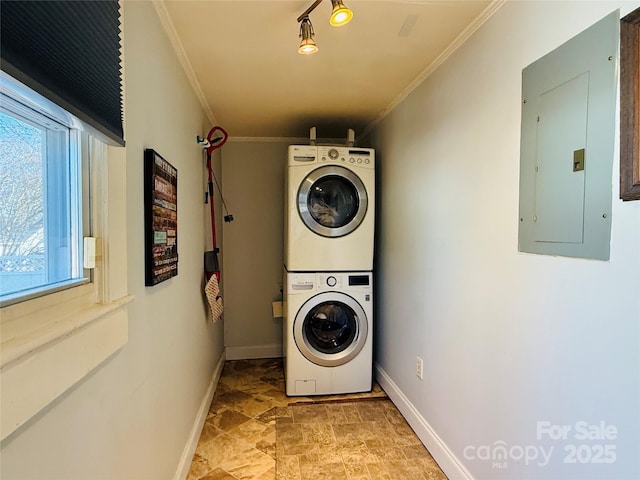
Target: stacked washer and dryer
328,260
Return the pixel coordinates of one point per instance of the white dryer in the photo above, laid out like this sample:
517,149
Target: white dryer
328,333
329,209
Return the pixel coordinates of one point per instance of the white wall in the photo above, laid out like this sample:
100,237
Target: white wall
253,246
131,418
508,339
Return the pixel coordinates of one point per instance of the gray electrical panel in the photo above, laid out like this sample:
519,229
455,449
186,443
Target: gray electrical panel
567,146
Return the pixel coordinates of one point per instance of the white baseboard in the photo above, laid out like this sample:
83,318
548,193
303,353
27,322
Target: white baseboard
448,462
192,442
247,352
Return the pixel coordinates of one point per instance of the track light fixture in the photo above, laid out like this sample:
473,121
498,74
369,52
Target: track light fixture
307,45
340,15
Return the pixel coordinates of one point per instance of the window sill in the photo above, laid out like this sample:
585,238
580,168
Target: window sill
41,358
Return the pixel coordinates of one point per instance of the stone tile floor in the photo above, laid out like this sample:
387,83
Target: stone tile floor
254,431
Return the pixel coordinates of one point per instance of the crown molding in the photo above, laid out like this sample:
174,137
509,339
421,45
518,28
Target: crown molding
480,20
291,140
169,28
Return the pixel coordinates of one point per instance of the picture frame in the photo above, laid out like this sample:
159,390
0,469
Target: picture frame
160,218
630,106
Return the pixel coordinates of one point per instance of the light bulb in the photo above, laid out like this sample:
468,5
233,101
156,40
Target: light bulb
340,14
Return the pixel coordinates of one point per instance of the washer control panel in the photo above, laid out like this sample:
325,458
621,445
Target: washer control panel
360,281
325,281
302,282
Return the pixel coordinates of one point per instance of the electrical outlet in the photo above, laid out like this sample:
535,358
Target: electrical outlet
419,366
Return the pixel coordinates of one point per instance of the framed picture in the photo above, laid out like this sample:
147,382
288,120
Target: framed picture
630,106
160,218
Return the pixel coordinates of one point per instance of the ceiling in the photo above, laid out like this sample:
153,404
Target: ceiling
241,57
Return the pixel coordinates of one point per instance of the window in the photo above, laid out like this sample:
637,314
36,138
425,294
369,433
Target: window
40,199
68,52
50,342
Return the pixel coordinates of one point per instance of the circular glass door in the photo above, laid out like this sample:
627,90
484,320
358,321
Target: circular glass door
332,201
330,329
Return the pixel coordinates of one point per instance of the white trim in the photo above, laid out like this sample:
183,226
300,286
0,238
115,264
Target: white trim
99,170
342,142
32,383
480,20
167,24
184,465
247,352
20,343
446,459
291,140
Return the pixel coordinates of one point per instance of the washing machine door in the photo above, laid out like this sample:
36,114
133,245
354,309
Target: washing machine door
332,201
330,329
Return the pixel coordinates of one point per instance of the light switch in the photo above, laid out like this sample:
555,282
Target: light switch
578,160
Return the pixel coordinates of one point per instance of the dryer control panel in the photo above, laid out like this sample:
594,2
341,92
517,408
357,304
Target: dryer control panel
339,155
301,154
357,157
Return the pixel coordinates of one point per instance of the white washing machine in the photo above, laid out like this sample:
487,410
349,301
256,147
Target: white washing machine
328,333
329,209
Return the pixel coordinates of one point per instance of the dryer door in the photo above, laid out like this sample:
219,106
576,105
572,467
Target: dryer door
330,329
332,201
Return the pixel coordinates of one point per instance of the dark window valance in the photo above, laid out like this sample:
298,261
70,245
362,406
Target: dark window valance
69,52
